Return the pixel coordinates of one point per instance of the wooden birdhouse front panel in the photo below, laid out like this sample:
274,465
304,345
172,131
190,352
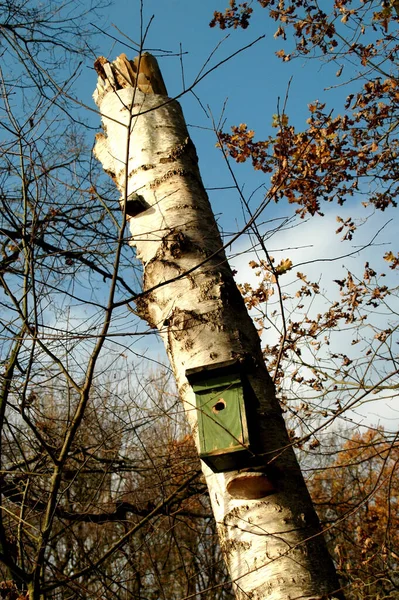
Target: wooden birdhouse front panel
222,421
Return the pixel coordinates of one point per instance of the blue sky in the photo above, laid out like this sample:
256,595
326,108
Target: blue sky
252,82
246,89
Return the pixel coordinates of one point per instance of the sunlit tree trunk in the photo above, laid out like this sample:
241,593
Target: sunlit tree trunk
268,529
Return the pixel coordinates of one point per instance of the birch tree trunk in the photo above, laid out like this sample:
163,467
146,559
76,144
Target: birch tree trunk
269,531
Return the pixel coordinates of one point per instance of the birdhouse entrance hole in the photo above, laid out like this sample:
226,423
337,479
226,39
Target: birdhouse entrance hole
220,405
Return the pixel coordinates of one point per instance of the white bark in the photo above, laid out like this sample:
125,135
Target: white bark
272,544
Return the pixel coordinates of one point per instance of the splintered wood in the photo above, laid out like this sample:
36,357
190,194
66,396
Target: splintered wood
142,73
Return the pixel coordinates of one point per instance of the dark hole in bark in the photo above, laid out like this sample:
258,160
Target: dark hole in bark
220,405
135,204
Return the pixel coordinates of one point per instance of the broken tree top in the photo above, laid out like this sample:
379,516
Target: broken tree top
143,72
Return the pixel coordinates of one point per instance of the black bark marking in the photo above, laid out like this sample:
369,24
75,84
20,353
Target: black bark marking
187,147
180,172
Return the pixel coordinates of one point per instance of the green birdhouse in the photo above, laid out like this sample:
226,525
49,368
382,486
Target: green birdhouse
222,415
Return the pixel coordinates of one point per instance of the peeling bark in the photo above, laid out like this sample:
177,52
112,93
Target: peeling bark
272,545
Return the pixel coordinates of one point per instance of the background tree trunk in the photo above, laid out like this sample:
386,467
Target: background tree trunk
272,543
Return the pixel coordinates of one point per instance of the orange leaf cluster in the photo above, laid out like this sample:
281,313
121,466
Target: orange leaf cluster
358,296
357,495
334,157
235,16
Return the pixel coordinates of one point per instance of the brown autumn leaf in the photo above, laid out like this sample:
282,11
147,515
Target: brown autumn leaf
283,266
